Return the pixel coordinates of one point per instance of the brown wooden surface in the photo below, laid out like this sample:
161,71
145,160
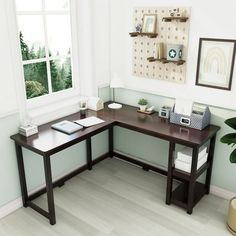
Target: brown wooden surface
154,125
49,141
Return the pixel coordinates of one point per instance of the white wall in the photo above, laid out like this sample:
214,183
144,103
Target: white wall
8,102
209,19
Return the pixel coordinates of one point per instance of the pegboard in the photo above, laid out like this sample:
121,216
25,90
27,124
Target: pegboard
173,32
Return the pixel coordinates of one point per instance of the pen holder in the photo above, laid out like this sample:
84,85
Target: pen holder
83,106
197,120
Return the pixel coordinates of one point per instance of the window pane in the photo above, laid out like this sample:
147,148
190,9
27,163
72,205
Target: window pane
36,80
59,38
61,74
57,5
28,5
31,37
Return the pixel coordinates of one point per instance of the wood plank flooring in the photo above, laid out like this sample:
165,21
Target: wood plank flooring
118,199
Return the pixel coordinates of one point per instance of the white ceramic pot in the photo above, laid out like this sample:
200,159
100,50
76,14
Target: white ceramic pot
142,107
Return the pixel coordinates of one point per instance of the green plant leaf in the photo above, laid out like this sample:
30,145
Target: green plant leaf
229,138
232,157
231,122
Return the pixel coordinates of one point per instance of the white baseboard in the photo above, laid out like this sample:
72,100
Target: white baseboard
220,192
10,207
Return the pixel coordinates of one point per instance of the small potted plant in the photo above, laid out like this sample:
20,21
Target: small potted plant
230,139
142,104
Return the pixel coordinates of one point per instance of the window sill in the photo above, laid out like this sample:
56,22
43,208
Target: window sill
53,111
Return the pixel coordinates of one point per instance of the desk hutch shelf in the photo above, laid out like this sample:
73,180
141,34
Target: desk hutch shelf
164,61
177,18
149,35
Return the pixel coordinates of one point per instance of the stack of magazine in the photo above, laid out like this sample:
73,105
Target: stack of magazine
184,159
70,127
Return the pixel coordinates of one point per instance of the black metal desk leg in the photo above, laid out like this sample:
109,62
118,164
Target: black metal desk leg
192,182
49,188
210,160
111,141
21,170
169,174
89,153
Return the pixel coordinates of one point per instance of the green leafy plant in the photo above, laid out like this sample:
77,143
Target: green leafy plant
230,138
142,102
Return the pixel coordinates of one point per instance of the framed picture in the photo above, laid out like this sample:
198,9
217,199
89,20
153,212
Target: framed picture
215,63
149,23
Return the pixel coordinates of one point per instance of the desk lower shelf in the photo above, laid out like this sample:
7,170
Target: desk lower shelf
186,176
180,194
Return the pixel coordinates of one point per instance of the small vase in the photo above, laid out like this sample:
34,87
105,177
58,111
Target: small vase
142,107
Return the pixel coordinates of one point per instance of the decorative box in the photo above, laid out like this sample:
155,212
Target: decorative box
174,52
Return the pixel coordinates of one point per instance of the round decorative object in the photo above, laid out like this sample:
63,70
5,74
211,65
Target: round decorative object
114,106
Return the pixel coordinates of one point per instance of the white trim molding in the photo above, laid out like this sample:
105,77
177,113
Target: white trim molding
10,207
222,193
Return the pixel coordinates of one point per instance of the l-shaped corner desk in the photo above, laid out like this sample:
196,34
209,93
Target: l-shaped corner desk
48,142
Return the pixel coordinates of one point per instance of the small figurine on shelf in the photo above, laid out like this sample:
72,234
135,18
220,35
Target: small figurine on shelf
138,28
174,12
142,104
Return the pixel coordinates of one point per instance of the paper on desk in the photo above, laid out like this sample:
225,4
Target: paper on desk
86,122
183,106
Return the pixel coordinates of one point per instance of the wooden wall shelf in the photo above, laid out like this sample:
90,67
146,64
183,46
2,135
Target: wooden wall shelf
178,18
150,35
164,61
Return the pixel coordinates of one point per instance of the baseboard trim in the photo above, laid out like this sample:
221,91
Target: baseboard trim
10,207
222,193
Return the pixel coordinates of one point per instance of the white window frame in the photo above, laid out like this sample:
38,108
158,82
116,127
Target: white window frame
50,106
59,104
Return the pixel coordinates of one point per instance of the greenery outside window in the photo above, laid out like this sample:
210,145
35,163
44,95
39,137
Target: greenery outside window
44,28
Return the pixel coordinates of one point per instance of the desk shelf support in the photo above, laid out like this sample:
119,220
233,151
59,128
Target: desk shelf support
170,172
210,160
192,182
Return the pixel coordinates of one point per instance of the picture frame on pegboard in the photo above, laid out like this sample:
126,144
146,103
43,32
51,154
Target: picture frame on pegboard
149,23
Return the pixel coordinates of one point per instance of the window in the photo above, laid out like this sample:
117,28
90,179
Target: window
44,28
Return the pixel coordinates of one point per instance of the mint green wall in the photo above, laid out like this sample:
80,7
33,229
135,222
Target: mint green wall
155,150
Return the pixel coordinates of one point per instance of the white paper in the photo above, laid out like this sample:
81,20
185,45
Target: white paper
86,122
183,106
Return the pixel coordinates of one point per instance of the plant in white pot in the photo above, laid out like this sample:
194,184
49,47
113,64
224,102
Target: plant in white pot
142,104
230,139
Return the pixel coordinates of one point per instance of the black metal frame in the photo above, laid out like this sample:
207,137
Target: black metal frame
190,190
27,200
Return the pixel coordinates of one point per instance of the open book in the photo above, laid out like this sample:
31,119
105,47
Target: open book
86,122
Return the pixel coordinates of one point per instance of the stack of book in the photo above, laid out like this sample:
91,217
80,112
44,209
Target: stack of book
184,159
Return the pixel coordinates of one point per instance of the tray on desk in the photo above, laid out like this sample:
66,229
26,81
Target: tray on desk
146,112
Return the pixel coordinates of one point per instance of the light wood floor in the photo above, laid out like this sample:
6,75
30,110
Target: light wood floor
116,198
